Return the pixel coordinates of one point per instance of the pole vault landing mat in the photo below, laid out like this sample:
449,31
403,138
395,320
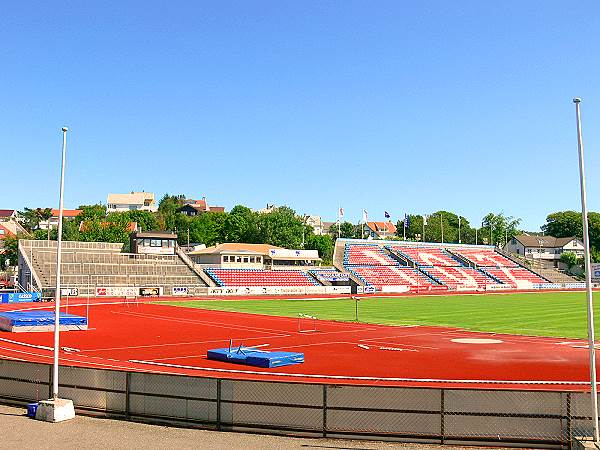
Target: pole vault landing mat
24,321
253,357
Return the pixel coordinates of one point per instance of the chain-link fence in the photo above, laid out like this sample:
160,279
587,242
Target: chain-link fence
470,415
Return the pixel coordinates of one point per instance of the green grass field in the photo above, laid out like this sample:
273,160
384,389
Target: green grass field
540,314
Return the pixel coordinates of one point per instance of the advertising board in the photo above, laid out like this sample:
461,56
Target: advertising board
117,291
179,290
150,291
20,297
69,292
595,272
333,276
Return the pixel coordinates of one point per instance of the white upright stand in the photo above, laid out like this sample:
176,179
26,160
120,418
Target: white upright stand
57,409
588,276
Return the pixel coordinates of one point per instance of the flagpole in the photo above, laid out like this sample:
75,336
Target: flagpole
588,275
58,268
339,222
442,226
404,228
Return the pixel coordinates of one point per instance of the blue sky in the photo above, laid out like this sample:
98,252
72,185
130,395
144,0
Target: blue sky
397,106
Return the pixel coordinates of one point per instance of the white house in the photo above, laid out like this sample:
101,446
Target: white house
544,248
142,201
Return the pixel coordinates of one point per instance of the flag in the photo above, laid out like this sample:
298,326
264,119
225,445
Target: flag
425,219
365,216
406,221
341,212
387,214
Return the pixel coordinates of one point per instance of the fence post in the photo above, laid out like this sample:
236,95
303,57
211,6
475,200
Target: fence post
50,380
219,404
569,421
442,431
324,410
127,394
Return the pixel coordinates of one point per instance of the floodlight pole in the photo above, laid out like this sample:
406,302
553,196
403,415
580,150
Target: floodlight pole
588,275
58,267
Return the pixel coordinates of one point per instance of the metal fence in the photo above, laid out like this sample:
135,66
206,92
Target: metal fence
475,416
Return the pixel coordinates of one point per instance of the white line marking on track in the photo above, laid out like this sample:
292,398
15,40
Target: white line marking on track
85,363
43,347
244,338
201,322
363,378
401,344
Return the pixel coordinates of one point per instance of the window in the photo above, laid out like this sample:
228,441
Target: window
155,243
245,259
238,259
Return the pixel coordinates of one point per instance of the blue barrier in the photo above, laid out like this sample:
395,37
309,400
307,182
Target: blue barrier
20,297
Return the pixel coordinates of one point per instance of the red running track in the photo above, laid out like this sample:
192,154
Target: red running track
166,339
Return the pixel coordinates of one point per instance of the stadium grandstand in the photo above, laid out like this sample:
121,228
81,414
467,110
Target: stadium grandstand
157,265
257,265
99,268
390,266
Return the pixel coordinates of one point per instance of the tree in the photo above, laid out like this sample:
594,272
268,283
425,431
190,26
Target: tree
90,212
346,230
207,228
323,244
280,227
146,220
33,217
498,229
564,224
439,223
241,225
568,258
569,224
10,245
168,210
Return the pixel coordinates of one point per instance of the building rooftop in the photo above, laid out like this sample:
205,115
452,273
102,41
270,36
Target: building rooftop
233,247
543,241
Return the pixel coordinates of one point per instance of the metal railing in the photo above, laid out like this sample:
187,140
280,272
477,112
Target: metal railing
436,415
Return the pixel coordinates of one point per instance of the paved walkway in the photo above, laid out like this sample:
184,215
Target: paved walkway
19,431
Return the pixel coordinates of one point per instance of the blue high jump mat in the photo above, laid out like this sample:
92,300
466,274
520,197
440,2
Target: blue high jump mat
20,321
253,357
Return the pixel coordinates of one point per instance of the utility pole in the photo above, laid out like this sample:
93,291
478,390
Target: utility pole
588,274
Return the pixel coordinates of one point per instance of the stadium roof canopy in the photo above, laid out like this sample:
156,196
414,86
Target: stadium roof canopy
234,247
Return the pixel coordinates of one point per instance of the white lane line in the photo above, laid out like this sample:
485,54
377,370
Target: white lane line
243,338
43,347
85,363
401,344
201,322
362,378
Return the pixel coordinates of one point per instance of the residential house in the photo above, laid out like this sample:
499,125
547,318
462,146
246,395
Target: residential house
380,230
544,248
196,207
8,215
135,201
52,222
